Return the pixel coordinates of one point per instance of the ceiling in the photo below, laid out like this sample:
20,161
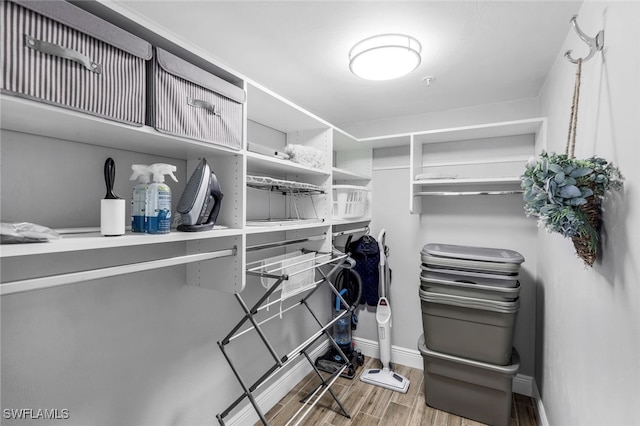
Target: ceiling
479,52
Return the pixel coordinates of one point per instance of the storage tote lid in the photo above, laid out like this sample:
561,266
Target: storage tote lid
510,369
87,23
187,71
486,254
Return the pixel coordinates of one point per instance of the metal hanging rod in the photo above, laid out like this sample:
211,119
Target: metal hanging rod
595,43
285,242
350,231
471,193
112,271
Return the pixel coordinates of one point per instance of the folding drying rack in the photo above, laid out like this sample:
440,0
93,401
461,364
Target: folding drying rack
312,398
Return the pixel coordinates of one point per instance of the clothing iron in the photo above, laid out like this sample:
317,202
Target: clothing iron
202,195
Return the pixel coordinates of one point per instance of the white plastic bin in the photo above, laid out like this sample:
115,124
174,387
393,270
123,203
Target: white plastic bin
350,201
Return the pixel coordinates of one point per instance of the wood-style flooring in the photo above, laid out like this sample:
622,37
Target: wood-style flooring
371,405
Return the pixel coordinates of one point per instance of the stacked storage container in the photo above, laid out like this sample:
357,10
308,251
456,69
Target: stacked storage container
470,299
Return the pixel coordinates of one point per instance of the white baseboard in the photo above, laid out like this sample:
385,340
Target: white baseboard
413,358
274,393
541,413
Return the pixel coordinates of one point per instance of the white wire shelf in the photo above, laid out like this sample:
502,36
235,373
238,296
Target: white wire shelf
281,185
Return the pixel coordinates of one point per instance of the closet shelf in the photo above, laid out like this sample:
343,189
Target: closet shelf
263,163
463,181
26,116
447,193
284,186
260,227
95,241
482,161
342,174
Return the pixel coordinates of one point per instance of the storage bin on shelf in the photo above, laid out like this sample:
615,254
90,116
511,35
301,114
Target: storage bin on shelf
59,54
471,389
350,201
185,100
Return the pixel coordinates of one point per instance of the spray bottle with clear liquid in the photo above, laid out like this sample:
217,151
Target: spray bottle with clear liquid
158,213
140,197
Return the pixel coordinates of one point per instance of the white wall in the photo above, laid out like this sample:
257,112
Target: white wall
588,363
502,111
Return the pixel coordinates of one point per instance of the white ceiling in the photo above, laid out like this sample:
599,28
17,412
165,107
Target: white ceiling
480,52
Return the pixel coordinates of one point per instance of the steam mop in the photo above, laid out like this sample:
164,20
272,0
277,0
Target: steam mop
384,377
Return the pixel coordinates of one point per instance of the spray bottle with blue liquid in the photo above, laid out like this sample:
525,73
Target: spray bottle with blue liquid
140,197
158,213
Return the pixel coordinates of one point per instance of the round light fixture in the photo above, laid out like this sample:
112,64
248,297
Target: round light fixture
385,56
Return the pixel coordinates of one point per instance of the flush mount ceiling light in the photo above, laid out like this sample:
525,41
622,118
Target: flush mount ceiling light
385,56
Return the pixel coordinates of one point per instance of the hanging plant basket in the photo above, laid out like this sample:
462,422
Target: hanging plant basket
566,193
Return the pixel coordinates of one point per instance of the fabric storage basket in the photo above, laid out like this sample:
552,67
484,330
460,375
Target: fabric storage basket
471,389
350,201
473,328
187,101
57,53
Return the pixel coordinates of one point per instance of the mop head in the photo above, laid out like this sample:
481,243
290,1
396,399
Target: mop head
385,378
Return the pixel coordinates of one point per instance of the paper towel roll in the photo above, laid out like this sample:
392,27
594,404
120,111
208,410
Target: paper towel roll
112,217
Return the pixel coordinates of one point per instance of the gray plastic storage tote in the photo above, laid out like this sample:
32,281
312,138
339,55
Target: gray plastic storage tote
57,53
187,101
469,327
460,288
471,277
471,389
482,259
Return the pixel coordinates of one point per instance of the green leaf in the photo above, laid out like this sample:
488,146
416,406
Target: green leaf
555,168
583,171
586,192
559,178
577,201
570,191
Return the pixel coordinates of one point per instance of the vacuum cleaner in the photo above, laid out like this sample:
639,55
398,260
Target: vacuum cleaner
384,377
349,285
201,191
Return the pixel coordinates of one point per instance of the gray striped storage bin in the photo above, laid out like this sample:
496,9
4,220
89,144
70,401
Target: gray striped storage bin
57,53
185,100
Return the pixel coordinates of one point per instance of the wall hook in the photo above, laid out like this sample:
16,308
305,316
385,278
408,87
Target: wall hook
595,43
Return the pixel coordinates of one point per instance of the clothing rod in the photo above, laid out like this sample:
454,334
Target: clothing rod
350,231
112,271
317,398
285,242
470,193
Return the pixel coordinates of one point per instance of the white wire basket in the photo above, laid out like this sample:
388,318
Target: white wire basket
350,201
